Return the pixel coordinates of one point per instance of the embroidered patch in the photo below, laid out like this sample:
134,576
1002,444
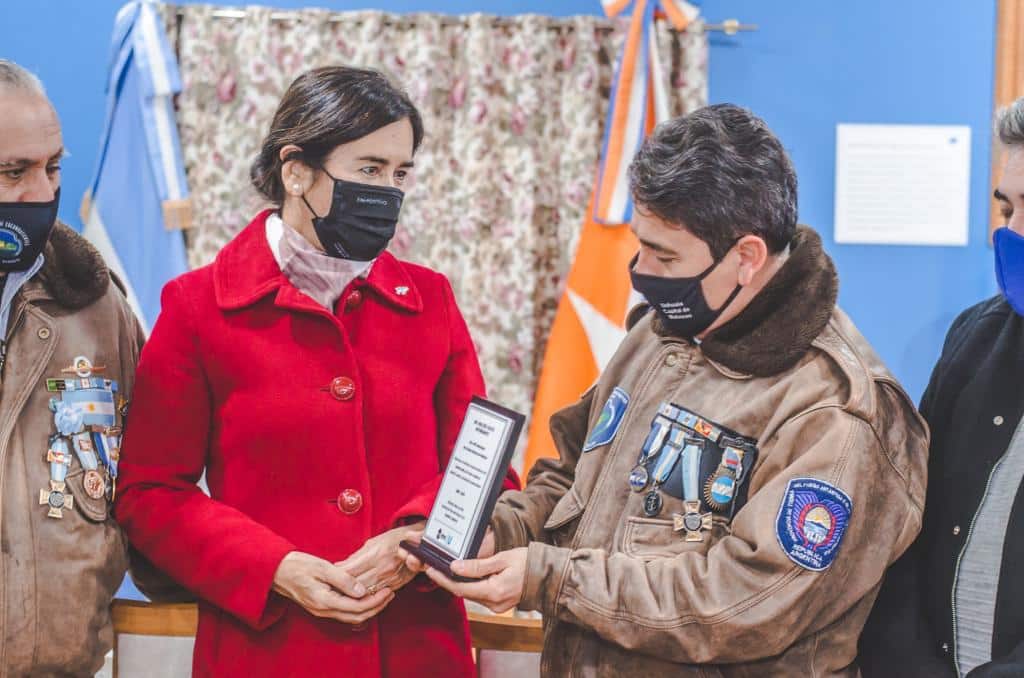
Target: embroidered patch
812,521
608,423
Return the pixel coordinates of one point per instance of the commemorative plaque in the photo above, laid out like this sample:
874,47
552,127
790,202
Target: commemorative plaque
470,487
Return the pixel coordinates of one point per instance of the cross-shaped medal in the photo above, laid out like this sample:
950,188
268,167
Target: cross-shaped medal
57,499
692,522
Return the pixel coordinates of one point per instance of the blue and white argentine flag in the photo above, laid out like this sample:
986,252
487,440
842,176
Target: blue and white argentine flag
138,199
96,404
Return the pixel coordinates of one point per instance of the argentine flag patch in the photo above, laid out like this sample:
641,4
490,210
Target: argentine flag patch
609,421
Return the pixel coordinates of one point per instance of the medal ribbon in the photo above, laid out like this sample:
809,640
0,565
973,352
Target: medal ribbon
669,456
60,459
86,451
655,439
692,454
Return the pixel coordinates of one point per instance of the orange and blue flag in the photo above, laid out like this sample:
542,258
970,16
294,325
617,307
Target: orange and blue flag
638,101
589,323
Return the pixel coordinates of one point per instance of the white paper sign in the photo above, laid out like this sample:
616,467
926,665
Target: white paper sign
468,480
902,184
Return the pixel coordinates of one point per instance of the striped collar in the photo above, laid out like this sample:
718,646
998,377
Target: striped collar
318,275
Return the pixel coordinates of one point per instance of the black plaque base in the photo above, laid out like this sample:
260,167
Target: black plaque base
436,558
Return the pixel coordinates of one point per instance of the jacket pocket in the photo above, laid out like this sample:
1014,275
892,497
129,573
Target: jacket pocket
651,538
95,510
561,524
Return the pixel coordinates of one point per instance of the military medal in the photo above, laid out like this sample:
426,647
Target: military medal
639,477
94,484
662,470
693,523
732,459
719,489
57,499
85,417
83,367
652,503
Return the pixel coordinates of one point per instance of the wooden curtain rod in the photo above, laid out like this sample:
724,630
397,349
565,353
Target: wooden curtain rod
729,26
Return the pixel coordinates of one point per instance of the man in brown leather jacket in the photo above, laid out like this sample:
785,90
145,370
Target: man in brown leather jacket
730,492
67,362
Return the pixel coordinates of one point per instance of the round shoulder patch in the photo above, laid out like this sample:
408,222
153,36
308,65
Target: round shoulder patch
812,521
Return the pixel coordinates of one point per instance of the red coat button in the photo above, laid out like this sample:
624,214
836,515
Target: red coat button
343,388
350,501
353,300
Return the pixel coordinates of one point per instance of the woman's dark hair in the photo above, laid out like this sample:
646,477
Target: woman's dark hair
720,173
323,109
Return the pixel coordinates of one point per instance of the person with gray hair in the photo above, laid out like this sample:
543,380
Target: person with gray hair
954,604
731,490
13,76
68,350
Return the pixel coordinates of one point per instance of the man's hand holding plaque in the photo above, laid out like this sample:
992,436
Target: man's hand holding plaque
457,527
495,582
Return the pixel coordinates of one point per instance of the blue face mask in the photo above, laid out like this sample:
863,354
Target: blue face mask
1009,247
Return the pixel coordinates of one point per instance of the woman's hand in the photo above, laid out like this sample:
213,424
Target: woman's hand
380,563
325,590
413,564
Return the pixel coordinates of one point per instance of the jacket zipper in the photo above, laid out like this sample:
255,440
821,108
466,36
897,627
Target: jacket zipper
956,572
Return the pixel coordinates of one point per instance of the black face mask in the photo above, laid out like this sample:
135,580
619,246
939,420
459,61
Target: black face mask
361,221
680,301
24,229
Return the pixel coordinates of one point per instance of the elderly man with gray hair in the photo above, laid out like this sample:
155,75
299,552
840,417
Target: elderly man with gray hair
68,350
954,604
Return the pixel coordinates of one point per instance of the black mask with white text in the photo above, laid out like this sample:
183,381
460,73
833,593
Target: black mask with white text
680,302
361,221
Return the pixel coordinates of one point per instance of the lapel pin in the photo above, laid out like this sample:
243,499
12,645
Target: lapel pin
83,367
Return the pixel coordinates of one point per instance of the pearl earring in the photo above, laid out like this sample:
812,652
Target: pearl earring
295,187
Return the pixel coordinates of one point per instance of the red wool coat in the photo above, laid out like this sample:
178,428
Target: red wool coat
288,406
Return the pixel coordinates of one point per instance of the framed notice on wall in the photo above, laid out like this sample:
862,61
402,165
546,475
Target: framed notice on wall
902,184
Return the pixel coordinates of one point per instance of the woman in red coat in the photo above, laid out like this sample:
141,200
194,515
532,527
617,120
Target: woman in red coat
320,383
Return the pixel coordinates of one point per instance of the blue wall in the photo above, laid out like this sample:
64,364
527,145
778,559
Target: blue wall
811,65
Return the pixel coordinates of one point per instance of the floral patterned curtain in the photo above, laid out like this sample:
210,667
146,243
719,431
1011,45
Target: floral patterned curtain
513,109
